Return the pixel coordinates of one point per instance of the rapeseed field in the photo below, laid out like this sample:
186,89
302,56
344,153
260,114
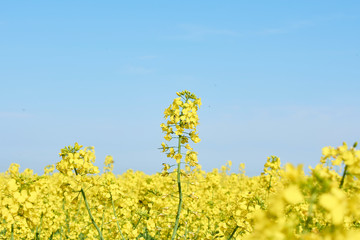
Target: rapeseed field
72,200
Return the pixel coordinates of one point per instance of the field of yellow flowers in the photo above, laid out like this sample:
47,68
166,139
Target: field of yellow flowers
183,201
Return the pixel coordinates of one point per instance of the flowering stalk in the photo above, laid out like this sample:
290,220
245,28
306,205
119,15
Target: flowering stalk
182,115
343,155
81,162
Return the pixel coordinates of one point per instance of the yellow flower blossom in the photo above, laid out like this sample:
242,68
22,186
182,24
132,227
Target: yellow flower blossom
293,195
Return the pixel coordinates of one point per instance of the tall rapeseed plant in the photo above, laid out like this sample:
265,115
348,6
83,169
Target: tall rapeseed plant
81,161
182,120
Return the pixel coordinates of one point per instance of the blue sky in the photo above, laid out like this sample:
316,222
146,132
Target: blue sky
275,78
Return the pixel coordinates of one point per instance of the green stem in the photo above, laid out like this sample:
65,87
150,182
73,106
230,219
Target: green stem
310,210
37,235
269,187
90,215
117,222
343,177
137,223
232,234
12,231
102,220
89,212
180,194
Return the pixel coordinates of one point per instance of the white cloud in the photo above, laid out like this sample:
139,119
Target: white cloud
271,31
137,70
287,28
198,32
147,57
18,115
292,26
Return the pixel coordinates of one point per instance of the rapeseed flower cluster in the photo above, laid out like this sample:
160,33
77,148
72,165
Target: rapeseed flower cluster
78,160
181,124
